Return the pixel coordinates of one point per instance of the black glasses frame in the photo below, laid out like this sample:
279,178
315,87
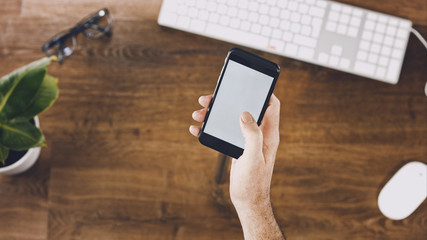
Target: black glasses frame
86,23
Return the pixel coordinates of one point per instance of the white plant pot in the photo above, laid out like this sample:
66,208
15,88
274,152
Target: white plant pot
26,161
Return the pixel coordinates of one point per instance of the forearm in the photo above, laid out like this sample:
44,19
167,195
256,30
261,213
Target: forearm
258,222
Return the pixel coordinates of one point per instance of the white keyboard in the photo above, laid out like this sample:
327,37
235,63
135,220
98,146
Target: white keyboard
326,33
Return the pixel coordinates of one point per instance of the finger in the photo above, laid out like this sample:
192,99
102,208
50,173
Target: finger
199,115
252,135
205,100
194,130
272,114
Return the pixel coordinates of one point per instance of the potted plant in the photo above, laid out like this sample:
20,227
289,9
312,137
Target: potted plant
24,93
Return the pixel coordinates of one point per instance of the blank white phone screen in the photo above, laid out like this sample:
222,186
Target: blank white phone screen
242,89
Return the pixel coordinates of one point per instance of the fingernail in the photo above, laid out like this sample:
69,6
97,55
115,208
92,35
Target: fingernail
247,118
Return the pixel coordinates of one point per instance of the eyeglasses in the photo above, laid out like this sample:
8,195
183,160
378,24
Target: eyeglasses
94,26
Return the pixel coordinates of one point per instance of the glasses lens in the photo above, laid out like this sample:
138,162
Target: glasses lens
69,45
61,45
98,25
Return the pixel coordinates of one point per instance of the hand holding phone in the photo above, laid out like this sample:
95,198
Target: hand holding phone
245,84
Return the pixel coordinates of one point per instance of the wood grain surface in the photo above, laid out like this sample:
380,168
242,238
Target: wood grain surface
120,163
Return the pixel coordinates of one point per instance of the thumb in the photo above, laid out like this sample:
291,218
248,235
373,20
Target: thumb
251,133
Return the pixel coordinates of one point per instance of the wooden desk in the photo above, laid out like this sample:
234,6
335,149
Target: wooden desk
120,163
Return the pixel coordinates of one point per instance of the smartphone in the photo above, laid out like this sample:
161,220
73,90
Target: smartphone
246,83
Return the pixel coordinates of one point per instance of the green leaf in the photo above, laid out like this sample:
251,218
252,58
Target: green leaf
4,153
20,136
45,97
18,88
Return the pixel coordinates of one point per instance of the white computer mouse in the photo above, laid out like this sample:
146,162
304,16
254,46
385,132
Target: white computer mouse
404,192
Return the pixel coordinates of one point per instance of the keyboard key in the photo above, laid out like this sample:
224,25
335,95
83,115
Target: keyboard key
276,45
345,63
240,37
323,58
397,53
372,16
277,34
224,20
285,25
336,50
373,58
293,6
334,16
331,26
203,15
168,19
306,20
193,12
291,49
232,12
183,22
253,17
295,17
355,21
365,45
287,36
344,19
235,23
306,30
264,19
378,38
316,12
295,27
253,6
369,25
381,71
386,51
362,55
342,29
402,33
405,24
383,61
214,18
375,48
388,41
367,36
182,10
274,22
197,25
266,31
364,68
306,53
245,26
333,60
243,4
305,41
263,9
380,28
322,4
336,7
256,28
352,32
357,12
285,14
303,8
391,31
274,11
399,43
393,69
346,9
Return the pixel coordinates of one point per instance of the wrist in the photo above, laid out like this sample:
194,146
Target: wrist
253,208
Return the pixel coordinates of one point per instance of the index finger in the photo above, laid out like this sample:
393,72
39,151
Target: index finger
205,100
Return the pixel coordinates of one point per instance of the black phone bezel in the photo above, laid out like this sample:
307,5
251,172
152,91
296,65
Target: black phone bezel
252,61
